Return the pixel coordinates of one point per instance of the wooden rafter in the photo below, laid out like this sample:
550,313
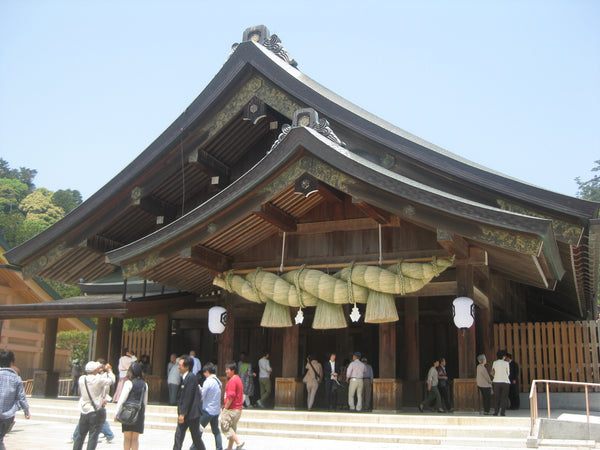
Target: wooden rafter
206,257
377,214
276,217
454,243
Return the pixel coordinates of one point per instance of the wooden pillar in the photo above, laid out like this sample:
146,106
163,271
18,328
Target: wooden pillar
290,352
484,329
46,380
49,344
467,363
116,336
226,340
387,350
289,389
102,337
466,395
412,394
411,331
161,340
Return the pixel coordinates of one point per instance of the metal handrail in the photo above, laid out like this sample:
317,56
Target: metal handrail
533,400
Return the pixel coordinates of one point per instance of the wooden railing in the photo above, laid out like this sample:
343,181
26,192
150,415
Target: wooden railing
533,398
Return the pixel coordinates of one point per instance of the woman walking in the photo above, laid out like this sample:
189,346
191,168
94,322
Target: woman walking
314,375
134,389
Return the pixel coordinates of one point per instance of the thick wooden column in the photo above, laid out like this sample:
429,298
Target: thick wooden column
290,351
158,389
289,389
466,395
412,394
102,338
46,380
116,337
387,389
225,345
387,350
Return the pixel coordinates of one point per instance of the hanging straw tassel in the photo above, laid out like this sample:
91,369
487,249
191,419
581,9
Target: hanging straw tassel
329,316
276,316
381,308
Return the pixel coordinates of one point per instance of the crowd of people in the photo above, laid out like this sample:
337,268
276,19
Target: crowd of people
196,391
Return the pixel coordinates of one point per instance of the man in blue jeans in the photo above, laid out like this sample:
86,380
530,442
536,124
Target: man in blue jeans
211,403
12,394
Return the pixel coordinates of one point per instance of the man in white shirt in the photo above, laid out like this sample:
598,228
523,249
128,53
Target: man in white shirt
197,364
501,385
91,403
264,379
355,374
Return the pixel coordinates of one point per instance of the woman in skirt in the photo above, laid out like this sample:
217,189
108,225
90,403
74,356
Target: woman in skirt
134,388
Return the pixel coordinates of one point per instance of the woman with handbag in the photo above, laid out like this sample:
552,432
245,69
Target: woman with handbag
314,375
131,407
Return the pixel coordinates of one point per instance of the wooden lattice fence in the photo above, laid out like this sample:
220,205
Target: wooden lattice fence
140,342
566,351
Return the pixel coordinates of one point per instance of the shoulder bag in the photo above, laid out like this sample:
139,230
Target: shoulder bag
130,411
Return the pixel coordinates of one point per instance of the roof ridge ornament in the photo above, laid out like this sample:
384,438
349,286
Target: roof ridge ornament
260,34
308,117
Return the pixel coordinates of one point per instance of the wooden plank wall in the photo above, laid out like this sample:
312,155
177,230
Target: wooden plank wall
566,351
140,342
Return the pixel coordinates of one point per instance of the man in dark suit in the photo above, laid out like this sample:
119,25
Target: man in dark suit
189,406
331,369
513,392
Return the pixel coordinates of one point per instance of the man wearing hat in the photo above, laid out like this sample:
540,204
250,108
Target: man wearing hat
355,374
92,387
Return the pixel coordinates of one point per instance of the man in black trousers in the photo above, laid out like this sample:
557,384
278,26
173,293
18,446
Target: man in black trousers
513,391
189,406
331,369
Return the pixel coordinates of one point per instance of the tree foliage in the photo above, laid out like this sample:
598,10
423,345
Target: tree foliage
139,324
23,174
12,192
77,342
590,189
67,199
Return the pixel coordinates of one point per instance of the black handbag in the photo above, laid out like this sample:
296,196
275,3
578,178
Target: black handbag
130,411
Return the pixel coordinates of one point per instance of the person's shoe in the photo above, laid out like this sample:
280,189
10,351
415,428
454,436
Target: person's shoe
260,404
421,408
109,441
239,447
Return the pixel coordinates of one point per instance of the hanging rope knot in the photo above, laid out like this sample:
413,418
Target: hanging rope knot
350,290
228,280
434,266
401,277
297,284
255,289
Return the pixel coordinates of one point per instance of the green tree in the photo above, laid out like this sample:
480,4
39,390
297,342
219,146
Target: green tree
24,174
38,206
11,225
139,325
12,192
590,190
77,342
66,199
64,290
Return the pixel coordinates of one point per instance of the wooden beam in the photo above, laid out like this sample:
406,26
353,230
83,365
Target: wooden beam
158,207
275,216
330,194
206,257
334,226
453,243
378,215
210,165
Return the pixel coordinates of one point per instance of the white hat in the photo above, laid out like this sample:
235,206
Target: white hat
92,366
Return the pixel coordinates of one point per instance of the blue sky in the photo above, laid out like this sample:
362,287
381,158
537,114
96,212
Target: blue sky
85,86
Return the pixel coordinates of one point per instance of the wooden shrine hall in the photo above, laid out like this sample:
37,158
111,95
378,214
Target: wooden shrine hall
320,228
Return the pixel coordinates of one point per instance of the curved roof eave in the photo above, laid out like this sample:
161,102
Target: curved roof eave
304,139
250,54
348,114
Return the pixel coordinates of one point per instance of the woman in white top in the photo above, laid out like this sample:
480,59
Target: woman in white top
124,363
500,372
134,389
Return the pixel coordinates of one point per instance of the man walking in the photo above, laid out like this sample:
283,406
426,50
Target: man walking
355,374
513,376
197,364
331,369
211,404
367,385
264,379
92,387
173,379
12,394
501,385
232,409
433,394
189,403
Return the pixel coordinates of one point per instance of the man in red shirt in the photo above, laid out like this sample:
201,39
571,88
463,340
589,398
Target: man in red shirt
232,409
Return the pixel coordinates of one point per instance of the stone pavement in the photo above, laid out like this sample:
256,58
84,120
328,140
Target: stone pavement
36,434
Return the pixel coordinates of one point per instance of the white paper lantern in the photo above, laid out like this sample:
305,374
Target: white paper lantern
463,311
217,319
